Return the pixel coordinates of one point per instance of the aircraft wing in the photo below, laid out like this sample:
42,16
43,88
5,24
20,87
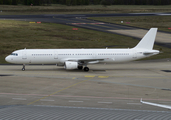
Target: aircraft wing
154,104
85,60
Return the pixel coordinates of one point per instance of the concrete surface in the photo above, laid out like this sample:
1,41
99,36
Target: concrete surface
104,86
78,113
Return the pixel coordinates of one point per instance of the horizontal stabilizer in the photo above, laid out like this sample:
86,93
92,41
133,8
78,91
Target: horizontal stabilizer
150,52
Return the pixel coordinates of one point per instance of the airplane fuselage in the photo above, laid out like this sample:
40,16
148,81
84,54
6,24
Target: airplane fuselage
59,56
77,58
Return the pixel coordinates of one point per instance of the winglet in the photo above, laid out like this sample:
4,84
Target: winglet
147,42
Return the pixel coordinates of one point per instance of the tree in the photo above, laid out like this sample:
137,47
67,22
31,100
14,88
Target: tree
96,2
14,2
7,2
106,2
36,2
68,2
1,2
74,2
87,2
79,2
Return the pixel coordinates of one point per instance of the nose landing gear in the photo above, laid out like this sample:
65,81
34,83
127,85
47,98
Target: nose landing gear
23,69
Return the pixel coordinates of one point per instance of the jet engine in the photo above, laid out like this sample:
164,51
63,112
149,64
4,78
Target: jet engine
71,65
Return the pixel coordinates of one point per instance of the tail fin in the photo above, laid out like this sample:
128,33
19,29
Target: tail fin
147,42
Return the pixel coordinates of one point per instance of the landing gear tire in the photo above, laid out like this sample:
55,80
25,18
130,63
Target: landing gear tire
23,69
86,69
80,67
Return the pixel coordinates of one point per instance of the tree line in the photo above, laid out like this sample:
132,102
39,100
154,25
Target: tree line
86,2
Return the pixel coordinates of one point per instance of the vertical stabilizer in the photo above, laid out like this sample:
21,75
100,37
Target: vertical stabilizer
147,42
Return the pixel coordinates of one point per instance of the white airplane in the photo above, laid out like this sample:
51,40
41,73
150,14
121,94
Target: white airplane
77,58
154,104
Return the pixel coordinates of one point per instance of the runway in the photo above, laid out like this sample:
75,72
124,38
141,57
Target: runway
81,21
116,86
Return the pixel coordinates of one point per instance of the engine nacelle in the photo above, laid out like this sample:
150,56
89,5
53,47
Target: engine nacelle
71,65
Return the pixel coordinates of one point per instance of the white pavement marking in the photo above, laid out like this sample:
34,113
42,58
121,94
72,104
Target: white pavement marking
105,102
47,100
19,99
75,101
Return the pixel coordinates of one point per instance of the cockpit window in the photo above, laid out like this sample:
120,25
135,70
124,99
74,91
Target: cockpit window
14,54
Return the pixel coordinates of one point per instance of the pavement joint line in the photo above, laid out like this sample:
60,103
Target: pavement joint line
19,99
89,76
139,77
82,97
95,76
75,101
134,103
128,84
105,102
47,100
48,77
59,91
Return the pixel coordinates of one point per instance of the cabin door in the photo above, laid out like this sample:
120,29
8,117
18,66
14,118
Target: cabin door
24,55
55,55
135,54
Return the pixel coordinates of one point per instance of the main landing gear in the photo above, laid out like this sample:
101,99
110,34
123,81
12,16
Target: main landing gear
80,67
23,69
86,69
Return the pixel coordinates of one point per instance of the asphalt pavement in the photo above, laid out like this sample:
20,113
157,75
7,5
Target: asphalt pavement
81,21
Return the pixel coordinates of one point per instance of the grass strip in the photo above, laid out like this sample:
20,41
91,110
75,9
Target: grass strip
16,35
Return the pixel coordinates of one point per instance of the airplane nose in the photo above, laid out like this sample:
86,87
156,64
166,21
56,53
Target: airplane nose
7,59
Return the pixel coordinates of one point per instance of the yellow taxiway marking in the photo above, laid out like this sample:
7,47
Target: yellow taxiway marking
32,22
59,91
73,77
103,76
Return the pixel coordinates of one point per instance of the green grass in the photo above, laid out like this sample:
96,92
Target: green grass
16,35
63,9
147,22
